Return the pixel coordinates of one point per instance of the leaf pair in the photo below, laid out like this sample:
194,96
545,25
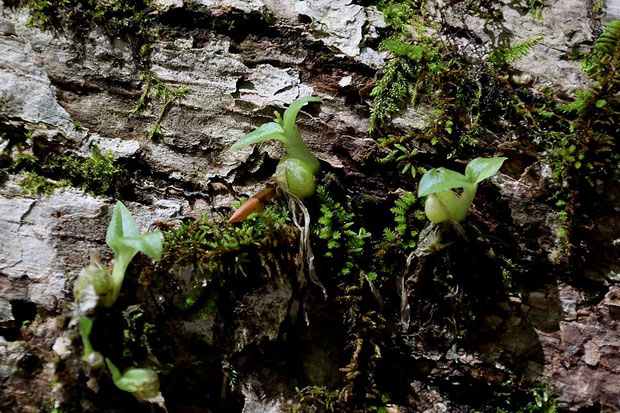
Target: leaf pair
441,179
279,130
125,240
95,284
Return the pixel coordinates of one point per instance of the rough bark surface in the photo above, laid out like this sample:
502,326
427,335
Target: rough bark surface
60,92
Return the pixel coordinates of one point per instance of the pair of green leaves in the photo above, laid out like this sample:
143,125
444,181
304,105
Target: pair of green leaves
280,130
96,285
296,171
125,240
440,179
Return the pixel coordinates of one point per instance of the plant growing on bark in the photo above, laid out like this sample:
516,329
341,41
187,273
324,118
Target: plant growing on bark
443,204
296,171
124,239
143,383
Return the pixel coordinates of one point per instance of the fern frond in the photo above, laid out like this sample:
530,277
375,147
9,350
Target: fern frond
509,54
609,40
391,92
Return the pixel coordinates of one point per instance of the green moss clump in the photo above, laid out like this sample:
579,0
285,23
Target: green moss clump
34,184
218,252
154,89
315,399
414,70
335,228
97,174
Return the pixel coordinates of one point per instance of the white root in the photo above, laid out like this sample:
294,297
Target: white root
297,208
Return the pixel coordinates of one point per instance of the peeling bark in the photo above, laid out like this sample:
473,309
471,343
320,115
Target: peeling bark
67,94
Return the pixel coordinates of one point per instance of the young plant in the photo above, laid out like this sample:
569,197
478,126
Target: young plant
124,239
296,171
143,383
92,357
442,203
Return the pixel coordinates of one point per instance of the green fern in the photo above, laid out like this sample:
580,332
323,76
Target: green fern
402,210
506,55
609,40
335,226
391,92
605,51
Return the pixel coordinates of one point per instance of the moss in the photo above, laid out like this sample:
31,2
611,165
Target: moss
414,70
509,398
217,253
488,10
34,184
342,240
315,399
97,174
156,90
118,18
536,9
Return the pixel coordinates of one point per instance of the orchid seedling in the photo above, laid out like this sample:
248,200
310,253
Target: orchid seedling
143,383
295,175
442,203
125,240
296,171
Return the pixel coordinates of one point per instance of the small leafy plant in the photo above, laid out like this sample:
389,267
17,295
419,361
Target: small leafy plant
296,171
96,285
442,203
335,226
124,239
143,383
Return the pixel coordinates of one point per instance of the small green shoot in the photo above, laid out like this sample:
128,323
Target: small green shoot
92,357
143,383
442,203
296,171
124,239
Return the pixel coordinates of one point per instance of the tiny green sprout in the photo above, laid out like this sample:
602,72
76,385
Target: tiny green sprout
295,172
442,203
143,383
125,240
92,357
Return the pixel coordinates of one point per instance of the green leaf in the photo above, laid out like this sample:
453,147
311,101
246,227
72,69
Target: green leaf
290,114
144,383
122,225
265,132
150,244
441,179
480,169
124,239
85,325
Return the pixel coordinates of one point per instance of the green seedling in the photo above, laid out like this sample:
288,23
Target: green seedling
92,357
296,171
442,203
125,240
143,383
